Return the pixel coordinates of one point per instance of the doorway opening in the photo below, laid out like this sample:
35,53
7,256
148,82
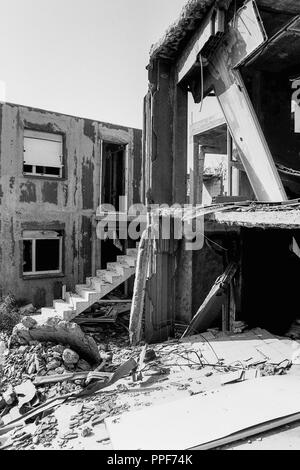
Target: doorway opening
113,174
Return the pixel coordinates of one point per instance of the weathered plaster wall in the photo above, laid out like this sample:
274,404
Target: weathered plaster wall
67,204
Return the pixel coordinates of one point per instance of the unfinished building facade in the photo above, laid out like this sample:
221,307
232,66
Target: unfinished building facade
55,172
244,55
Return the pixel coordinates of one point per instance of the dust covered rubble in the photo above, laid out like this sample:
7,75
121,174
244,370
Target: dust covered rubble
170,370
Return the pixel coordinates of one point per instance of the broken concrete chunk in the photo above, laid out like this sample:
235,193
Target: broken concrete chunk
150,355
83,365
52,365
59,348
9,396
70,357
106,356
25,392
86,432
62,333
27,309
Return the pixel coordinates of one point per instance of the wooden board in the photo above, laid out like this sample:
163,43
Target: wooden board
204,419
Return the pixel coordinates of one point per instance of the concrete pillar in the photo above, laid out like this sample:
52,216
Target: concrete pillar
167,185
161,129
229,164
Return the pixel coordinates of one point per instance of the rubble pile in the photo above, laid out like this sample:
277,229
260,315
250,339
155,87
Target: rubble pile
55,330
42,359
58,389
45,432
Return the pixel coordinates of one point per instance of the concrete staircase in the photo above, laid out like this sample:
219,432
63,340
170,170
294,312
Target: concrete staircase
96,288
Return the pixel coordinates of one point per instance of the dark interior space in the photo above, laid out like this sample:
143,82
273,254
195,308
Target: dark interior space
272,97
47,255
210,262
270,279
274,21
109,251
271,77
113,174
41,255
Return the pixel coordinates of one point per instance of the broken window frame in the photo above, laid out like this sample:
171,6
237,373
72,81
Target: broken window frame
41,170
42,235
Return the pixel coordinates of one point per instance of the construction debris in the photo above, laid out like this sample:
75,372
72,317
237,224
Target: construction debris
57,331
239,326
134,378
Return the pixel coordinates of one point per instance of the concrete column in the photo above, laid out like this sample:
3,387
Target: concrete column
161,153
180,144
229,163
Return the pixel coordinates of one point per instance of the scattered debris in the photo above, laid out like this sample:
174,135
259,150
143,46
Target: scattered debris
86,432
61,332
175,369
239,327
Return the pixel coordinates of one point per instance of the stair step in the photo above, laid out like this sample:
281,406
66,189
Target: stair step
130,260
74,299
60,306
108,276
132,252
119,268
96,284
47,311
86,292
88,281
86,295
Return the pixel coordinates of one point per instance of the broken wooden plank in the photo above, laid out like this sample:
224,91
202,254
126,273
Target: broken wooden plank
211,307
92,320
70,377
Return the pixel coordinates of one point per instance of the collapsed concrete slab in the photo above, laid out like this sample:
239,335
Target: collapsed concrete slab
60,332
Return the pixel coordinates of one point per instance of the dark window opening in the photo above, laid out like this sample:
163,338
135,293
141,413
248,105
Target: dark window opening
113,174
27,256
47,255
42,252
51,171
27,168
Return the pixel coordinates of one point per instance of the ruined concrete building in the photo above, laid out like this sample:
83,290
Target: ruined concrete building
244,55
55,171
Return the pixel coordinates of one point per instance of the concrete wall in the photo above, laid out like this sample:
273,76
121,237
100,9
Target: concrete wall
68,204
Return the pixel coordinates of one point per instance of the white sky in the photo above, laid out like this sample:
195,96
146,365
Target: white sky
81,57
